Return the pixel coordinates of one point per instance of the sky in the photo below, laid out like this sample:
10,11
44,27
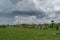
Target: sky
29,11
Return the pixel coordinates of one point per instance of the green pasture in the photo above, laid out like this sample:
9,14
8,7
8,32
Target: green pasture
28,34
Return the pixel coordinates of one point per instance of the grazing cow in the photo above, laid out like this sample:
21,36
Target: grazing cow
40,26
44,27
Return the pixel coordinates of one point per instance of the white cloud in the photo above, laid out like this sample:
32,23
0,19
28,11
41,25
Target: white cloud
29,19
25,5
57,8
44,5
24,19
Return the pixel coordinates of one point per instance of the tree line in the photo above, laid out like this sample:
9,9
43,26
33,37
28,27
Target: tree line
44,26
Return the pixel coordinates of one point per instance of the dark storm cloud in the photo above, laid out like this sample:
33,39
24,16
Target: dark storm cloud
57,12
15,1
38,14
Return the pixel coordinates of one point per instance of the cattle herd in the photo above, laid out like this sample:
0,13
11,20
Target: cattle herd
52,25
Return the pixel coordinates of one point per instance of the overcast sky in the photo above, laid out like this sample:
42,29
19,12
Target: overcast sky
29,11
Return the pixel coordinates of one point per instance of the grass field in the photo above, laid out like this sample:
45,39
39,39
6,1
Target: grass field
28,34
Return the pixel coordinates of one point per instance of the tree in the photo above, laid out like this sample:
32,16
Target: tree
52,23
